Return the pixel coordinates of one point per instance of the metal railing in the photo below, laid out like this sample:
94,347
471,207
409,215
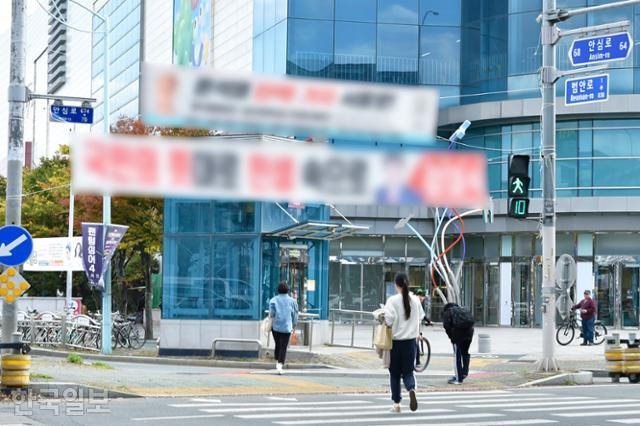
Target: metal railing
352,317
304,318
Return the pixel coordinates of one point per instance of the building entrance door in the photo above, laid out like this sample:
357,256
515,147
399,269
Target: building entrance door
522,294
605,293
629,293
481,291
293,270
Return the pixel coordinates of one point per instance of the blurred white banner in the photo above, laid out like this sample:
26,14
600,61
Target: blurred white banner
55,254
276,169
239,101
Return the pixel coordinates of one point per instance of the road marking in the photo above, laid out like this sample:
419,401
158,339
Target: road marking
205,400
196,416
268,404
597,404
554,401
494,423
491,401
602,413
280,398
398,419
438,393
378,411
427,397
258,409
627,421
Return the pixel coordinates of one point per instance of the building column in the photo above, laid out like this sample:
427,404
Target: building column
505,294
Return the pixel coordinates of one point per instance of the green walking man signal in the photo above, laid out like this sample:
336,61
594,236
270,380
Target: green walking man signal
518,191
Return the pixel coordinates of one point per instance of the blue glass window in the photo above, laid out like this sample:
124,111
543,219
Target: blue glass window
398,11
310,47
258,17
313,9
440,13
355,51
525,56
397,53
516,6
356,10
440,56
187,216
269,19
234,217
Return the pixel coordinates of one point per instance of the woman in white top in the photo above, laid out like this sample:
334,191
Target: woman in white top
403,313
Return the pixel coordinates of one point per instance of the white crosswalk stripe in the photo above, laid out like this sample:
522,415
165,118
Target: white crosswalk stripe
398,419
597,404
610,414
354,412
487,408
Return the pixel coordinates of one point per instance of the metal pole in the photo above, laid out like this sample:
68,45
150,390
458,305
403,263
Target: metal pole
15,153
71,251
548,154
106,200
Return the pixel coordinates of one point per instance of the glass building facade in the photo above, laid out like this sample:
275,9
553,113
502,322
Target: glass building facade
125,46
475,53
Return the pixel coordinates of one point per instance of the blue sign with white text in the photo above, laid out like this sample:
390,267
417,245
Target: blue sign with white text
586,90
71,114
603,48
16,245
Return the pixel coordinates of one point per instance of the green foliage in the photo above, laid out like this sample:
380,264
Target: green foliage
102,365
75,359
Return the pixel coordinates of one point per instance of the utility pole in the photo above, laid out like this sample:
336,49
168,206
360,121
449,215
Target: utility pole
550,35
15,153
548,153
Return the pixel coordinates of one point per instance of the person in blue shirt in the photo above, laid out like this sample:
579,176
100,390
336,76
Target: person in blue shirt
283,309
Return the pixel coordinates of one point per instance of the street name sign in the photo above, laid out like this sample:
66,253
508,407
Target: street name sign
16,245
586,90
71,114
599,49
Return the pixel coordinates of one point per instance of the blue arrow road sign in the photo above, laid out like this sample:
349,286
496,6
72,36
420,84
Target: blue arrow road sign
597,49
586,90
16,245
71,114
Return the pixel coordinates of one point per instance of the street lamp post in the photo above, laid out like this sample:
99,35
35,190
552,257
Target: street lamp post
106,199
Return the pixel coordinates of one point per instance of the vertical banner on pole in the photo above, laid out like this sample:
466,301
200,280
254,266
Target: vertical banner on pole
92,253
113,238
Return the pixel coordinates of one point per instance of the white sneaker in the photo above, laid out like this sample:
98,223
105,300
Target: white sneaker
279,368
395,408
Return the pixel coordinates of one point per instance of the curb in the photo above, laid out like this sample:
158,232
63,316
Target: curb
579,378
56,390
179,361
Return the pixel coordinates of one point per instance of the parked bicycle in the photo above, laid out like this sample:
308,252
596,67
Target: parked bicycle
567,331
127,333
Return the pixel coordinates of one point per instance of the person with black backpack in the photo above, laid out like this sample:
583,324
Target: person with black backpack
458,323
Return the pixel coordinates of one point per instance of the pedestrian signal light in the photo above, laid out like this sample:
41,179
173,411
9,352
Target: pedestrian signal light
518,191
12,285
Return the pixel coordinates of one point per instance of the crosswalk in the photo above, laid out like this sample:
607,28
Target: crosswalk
497,407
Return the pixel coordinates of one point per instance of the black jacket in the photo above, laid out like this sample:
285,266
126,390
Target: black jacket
456,335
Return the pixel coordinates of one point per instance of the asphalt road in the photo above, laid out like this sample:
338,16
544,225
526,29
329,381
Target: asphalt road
569,405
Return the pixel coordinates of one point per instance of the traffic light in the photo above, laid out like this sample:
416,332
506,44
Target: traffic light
518,191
